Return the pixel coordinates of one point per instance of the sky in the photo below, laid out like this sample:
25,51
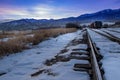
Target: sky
52,9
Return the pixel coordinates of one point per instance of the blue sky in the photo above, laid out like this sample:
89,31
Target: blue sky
56,9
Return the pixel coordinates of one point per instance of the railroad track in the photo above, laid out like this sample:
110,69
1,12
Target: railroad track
90,54
114,31
108,33
109,36
94,67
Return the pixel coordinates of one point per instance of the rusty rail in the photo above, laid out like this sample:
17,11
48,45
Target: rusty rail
95,67
109,36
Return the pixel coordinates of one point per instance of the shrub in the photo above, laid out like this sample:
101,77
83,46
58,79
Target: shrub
72,25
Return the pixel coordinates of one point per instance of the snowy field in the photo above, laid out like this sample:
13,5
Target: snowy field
111,52
21,65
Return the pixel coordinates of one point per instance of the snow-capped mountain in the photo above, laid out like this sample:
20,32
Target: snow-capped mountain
23,24
104,15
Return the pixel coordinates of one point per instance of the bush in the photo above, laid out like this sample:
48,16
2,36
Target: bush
72,25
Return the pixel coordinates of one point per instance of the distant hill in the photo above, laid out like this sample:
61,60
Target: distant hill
24,24
5,20
104,15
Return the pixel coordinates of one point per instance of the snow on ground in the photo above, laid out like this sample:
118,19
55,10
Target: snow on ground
111,52
63,71
21,65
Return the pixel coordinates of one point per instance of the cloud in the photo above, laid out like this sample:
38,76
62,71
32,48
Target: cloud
12,12
46,9
41,11
35,12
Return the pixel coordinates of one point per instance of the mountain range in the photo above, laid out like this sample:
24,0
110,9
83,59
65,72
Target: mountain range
107,15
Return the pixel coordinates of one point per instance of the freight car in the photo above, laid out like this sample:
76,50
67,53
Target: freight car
96,24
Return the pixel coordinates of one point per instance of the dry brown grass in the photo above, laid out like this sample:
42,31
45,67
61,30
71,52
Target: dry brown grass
5,35
20,42
40,35
14,45
8,34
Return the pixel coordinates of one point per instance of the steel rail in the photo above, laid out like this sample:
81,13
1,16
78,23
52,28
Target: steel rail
114,31
108,33
95,67
109,36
